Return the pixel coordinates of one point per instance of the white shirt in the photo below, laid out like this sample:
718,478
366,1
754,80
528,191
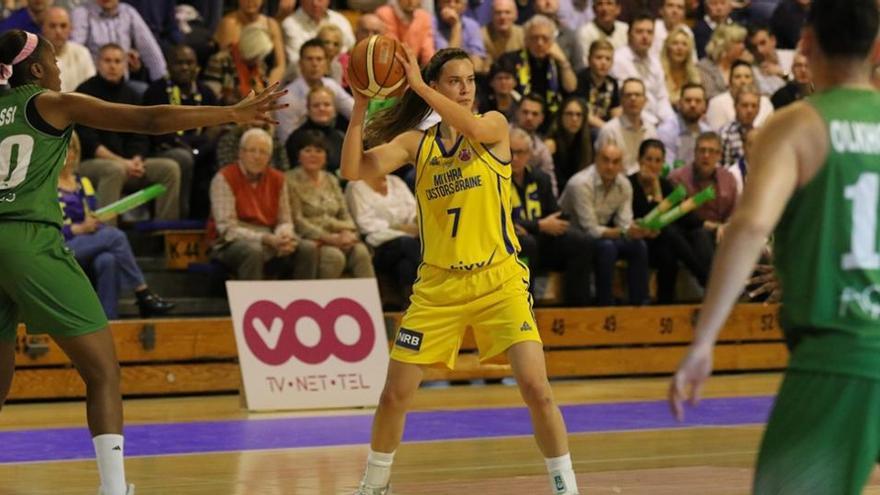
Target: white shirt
627,64
299,28
75,62
679,139
571,17
377,215
290,118
661,33
590,32
721,111
622,131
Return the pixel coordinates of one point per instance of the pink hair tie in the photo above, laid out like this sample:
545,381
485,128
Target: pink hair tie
29,46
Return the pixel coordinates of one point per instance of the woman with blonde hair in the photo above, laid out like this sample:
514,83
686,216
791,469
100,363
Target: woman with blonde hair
332,39
678,63
726,46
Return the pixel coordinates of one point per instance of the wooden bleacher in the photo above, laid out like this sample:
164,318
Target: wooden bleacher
189,356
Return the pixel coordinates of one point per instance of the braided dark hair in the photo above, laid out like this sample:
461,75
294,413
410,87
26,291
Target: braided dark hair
11,44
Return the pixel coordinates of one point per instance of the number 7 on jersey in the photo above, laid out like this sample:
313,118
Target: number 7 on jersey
456,213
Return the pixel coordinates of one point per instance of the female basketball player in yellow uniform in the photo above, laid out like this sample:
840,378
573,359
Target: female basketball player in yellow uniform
470,275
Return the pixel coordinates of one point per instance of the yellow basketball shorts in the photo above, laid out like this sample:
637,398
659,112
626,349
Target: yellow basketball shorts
494,302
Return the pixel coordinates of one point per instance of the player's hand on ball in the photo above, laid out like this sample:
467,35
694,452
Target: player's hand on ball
257,108
687,384
411,66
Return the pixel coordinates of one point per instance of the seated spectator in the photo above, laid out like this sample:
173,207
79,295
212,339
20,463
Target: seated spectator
410,24
385,212
717,14
305,23
251,228
321,215
452,29
249,13
118,161
100,22
529,117
678,63
598,87
331,37
547,240
542,68
800,86
321,118
704,172
724,49
501,94
312,67
159,15
721,108
771,65
29,18
605,26
680,135
566,38
636,61
672,18
74,60
629,129
228,145
367,25
576,13
234,72
502,34
788,20
683,241
569,140
599,200
181,88
103,251
733,135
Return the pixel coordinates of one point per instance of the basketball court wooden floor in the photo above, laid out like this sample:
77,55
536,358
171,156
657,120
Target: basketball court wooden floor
461,440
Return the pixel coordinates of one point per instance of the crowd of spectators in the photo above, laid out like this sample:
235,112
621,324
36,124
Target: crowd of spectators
612,104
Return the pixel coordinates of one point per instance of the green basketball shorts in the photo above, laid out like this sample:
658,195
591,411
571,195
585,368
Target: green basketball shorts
823,437
42,285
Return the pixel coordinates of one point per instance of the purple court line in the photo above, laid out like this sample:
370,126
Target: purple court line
57,444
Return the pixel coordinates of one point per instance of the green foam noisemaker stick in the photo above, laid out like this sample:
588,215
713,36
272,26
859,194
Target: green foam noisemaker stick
129,202
668,202
685,207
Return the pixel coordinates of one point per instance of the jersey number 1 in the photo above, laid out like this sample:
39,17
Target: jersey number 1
864,194
15,158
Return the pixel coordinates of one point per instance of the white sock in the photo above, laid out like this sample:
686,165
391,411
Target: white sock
562,480
378,471
108,452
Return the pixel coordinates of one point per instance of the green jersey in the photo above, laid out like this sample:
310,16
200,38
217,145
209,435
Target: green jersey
30,161
826,245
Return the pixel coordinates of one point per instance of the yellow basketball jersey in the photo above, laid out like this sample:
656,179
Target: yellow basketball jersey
463,197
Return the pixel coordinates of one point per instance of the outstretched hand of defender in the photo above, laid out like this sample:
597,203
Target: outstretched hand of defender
257,108
687,384
411,65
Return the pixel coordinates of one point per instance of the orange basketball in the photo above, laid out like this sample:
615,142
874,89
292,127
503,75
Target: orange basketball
374,71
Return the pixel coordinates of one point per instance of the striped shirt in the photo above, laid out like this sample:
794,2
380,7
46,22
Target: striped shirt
94,28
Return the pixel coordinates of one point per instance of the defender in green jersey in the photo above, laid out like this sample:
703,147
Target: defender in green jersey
40,282
815,177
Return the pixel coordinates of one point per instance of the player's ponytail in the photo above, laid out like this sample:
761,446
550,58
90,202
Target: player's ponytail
18,50
411,110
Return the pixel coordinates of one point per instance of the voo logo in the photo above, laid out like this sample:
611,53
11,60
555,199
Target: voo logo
270,331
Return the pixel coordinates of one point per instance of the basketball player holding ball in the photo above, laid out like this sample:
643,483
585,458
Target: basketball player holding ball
470,275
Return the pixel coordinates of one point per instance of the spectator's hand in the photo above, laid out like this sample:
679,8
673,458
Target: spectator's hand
134,167
256,108
348,238
87,226
134,61
772,68
520,230
553,225
636,232
711,226
719,233
287,244
557,54
765,278
449,15
410,228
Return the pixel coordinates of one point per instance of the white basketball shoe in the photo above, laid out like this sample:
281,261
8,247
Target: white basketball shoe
128,491
363,490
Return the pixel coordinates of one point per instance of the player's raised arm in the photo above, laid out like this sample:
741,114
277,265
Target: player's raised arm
487,129
792,140
62,109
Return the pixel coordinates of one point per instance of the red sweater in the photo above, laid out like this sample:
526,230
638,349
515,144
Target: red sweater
255,203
